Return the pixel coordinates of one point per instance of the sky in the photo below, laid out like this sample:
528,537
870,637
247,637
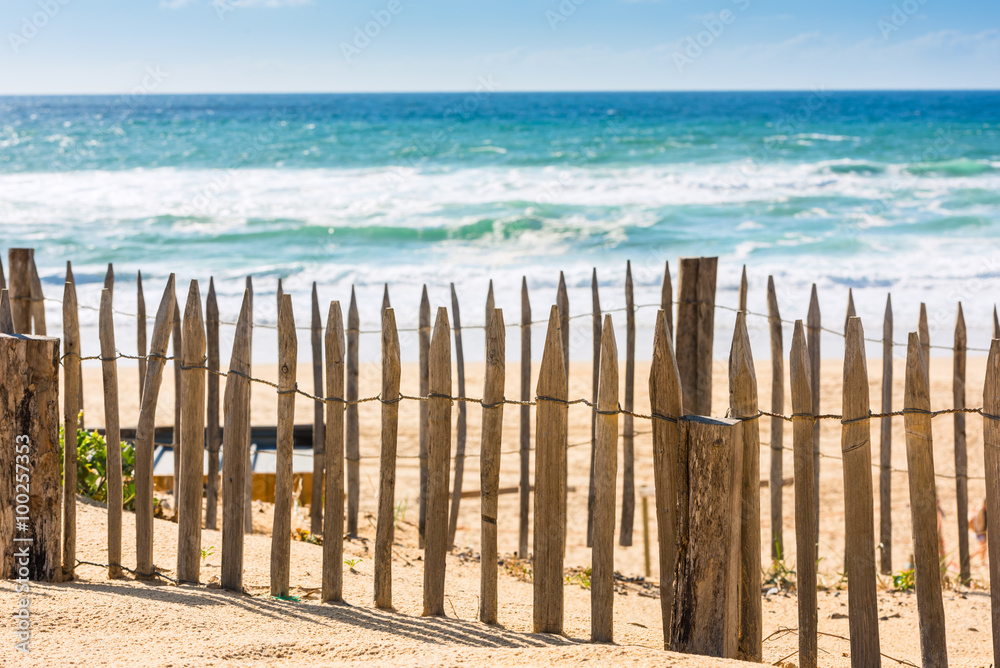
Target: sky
230,46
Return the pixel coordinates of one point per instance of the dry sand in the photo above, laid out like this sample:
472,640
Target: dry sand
94,621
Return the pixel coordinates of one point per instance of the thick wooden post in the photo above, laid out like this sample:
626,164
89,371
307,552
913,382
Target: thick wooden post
351,418
178,345
247,445
192,441
744,406
438,460
666,402
805,514
695,336
30,493
282,532
858,512
319,438
333,511
961,454
667,300
628,433
923,508
140,332
71,422
456,494
213,435
489,473
991,456
550,483
385,528
777,424
602,590
885,445
595,382
524,487
112,433
813,334
424,345
234,461
144,433
20,288
707,604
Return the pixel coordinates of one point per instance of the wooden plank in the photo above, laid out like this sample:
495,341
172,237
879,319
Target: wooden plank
550,483
112,433
858,512
192,441
666,403
925,341
525,423
805,513
456,495
777,424
885,446
743,289
178,346
162,327
140,332
438,461
597,328
281,534
667,300
744,406
707,604
923,508
38,303
319,437
628,432
71,422
20,288
234,439
248,467
602,588
351,418
213,434
991,457
333,525
489,472
424,345
813,334
961,453
385,528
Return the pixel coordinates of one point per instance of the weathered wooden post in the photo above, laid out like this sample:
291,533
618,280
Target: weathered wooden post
562,302
923,508
628,433
961,453
247,445
777,424
282,527
178,345
351,418
30,493
707,602
489,483
112,433
595,382
319,438
991,457
20,288
140,331
524,488
333,511
851,311
602,590
438,460
456,494
743,290
424,345
695,335
667,301
925,341
550,483
213,433
385,527
885,445
71,422
37,299
192,441
813,335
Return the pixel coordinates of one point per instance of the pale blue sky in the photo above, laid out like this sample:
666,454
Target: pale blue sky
112,46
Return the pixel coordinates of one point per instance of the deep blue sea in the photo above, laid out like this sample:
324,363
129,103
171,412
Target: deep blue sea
876,191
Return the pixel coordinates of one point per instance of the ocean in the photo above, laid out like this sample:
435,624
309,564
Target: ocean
873,191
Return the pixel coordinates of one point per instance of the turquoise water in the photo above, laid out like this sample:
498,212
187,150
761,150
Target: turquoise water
874,191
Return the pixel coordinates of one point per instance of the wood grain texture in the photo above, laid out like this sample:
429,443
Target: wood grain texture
925,340
562,301
923,508
813,334
667,300
234,461
37,300
805,513
6,315
213,433
192,440
385,527
961,452
281,533
777,424
602,587
550,483
162,327
319,437
991,458
456,494
597,328
885,446
72,405
248,446
112,433
524,500
628,432
438,464
140,331
489,474
177,339
20,288
351,418
333,511
858,513
666,401
424,345
695,335
743,404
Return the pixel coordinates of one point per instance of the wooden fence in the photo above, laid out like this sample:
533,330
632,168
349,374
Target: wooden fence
707,498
